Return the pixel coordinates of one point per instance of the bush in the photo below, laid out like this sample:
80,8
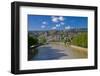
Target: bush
80,40
32,41
42,39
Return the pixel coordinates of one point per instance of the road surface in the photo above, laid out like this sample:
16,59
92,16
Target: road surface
53,51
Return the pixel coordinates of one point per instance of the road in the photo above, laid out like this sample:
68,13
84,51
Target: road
53,51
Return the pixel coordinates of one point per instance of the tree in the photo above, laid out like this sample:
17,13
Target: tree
42,39
32,41
67,40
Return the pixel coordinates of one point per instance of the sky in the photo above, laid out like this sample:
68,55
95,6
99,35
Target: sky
49,22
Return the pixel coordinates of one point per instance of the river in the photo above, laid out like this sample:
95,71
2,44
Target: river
53,51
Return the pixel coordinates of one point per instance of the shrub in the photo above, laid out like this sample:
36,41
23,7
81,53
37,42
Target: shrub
80,40
42,39
32,41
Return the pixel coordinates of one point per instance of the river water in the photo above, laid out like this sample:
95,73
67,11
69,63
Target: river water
54,52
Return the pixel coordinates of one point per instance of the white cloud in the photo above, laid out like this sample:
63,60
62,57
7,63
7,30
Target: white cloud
53,28
61,18
44,22
57,25
54,19
62,23
43,26
67,27
57,19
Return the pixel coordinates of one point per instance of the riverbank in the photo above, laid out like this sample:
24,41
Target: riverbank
79,48
77,51
72,46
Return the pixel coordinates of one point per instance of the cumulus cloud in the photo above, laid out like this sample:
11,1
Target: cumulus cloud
67,27
62,23
53,28
44,22
43,26
54,19
61,18
57,25
57,19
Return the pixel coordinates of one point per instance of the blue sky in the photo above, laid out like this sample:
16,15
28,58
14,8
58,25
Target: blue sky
48,22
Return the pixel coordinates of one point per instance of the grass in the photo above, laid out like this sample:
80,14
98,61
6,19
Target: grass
81,40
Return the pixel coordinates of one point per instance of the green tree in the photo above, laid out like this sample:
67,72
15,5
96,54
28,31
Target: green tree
32,41
42,39
67,40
